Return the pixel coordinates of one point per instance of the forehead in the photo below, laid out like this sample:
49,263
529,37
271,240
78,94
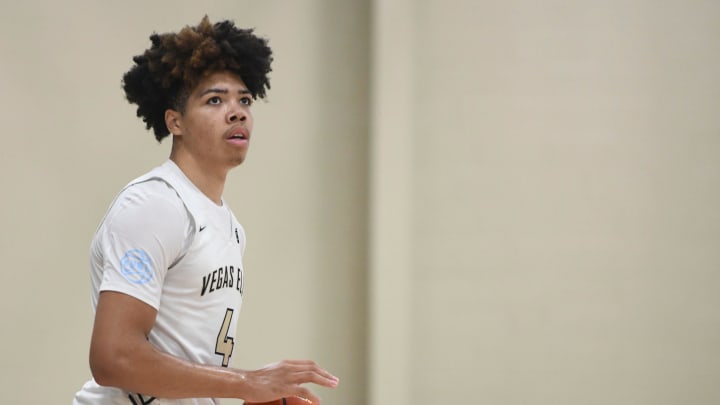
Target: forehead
224,80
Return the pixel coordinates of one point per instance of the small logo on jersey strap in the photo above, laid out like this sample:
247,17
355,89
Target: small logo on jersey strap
136,267
237,237
202,228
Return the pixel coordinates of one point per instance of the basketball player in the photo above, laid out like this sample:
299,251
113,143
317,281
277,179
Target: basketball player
166,261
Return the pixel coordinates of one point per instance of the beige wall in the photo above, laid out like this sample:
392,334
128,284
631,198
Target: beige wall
70,141
546,189
529,190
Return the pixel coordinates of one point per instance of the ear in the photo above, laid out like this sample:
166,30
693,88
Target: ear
173,121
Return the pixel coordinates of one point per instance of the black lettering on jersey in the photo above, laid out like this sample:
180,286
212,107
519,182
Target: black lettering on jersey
139,400
206,282
226,278
223,277
214,281
220,278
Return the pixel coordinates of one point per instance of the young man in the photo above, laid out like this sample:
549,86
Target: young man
166,261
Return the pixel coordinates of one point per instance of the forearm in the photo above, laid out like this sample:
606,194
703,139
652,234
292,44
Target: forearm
122,357
148,371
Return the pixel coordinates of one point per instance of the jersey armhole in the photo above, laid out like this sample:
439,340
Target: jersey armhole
191,215
185,249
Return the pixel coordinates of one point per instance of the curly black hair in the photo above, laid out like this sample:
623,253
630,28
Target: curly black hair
165,74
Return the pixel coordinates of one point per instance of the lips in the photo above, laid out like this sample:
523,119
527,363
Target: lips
238,133
238,136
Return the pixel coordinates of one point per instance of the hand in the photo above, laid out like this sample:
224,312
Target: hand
285,379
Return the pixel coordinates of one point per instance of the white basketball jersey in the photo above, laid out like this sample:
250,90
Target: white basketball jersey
165,243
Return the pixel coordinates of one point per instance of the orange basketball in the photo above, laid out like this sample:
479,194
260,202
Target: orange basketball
283,401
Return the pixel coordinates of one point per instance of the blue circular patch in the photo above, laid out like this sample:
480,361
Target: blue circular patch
136,267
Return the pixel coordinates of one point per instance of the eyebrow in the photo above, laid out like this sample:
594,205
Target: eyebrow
221,91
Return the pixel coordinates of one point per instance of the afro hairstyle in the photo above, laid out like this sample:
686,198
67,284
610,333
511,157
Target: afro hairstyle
165,74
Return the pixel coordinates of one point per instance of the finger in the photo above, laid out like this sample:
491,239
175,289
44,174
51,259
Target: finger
303,377
299,362
303,365
327,375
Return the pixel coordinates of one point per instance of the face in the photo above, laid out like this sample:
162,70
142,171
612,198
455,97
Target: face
215,128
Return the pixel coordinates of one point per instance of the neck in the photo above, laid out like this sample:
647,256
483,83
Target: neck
209,180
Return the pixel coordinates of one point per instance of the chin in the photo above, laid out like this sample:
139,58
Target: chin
237,161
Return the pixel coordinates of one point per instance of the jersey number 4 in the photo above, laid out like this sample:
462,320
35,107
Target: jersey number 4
225,344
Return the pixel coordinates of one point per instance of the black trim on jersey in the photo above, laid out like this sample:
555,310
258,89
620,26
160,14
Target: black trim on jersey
140,398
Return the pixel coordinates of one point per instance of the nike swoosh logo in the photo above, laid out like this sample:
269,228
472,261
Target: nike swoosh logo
202,228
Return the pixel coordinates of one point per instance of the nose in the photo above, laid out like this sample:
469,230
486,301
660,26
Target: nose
236,114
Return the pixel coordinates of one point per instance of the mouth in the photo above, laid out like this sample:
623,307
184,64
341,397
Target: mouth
238,135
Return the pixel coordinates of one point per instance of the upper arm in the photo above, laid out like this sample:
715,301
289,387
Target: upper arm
144,232
122,324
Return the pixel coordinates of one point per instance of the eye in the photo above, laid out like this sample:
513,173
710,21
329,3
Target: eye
246,100
214,100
